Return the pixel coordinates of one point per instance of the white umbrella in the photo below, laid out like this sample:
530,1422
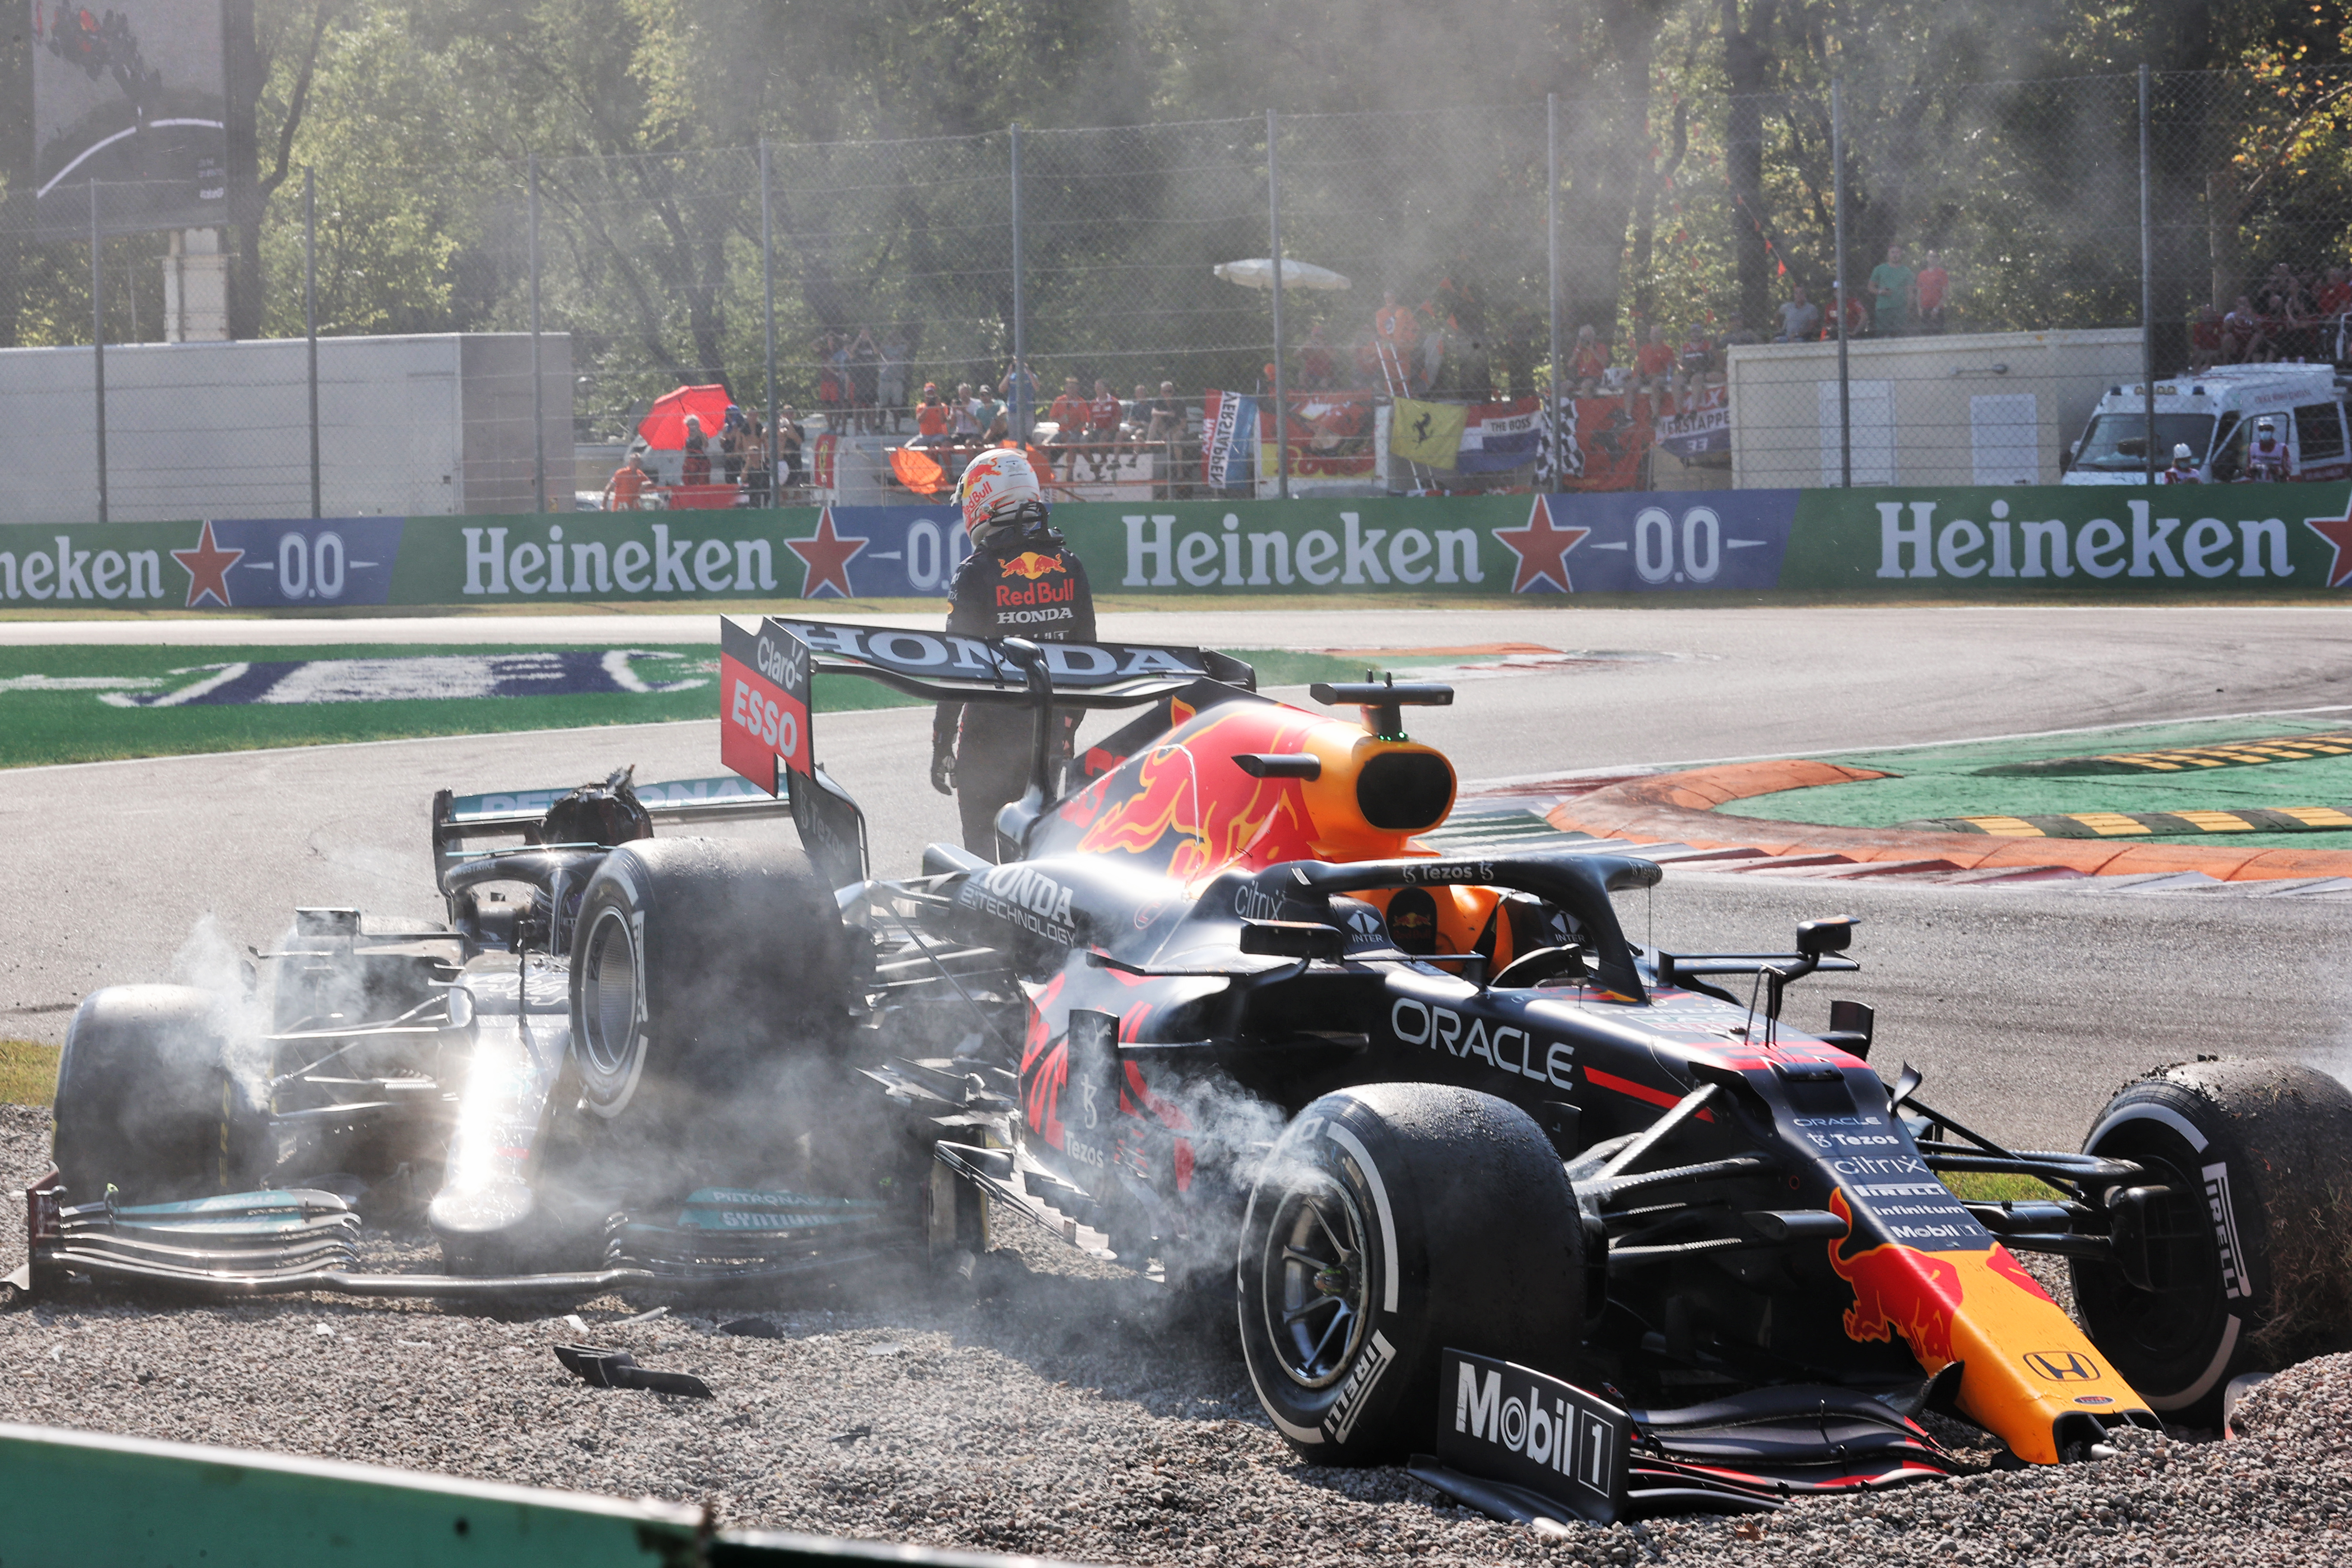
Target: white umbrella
1258,273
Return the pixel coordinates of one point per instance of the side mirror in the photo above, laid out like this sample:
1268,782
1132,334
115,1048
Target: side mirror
1292,938
1834,935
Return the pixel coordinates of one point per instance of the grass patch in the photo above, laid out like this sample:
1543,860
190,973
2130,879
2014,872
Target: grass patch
28,1073
2000,1186
52,706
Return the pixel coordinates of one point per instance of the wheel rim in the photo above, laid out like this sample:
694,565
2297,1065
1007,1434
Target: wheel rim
1314,1285
609,995
2177,1318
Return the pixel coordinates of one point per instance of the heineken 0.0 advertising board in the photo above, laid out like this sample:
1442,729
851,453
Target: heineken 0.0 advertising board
1973,543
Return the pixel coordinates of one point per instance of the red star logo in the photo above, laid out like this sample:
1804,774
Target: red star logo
1542,550
207,566
826,555
2338,532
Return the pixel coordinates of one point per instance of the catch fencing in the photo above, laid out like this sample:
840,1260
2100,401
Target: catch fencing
2082,230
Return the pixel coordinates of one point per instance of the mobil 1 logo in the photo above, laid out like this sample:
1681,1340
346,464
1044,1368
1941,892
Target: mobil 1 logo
1507,1423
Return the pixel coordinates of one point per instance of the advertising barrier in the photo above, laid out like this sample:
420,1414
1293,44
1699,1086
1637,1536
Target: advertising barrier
1890,542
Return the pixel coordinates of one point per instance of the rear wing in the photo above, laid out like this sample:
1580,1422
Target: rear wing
460,819
954,668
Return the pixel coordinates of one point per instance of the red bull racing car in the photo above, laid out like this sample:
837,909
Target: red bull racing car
1572,1224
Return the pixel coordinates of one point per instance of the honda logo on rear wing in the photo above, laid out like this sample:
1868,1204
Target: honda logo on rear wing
967,669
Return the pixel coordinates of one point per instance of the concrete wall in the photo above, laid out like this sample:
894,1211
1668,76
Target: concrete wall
407,426
1974,408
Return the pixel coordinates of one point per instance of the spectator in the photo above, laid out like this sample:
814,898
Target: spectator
1069,413
1000,426
757,477
1316,371
627,489
2244,339
696,469
831,392
788,447
1018,391
2205,339
1589,363
1653,372
1102,414
1393,325
1435,347
1800,319
1695,366
1139,413
1934,287
1366,349
891,384
968,419
732,431
2334,295
1168,415
1894,289
933,420
865,362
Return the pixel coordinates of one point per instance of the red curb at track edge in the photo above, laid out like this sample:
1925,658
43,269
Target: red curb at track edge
1675,807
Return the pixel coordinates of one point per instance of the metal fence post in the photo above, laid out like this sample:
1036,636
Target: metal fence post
538,387
1274,240
98,342
1837,179
2146,286
1551,251
1022,421
311,312
768,294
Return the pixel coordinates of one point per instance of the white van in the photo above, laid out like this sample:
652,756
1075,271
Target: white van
2212,412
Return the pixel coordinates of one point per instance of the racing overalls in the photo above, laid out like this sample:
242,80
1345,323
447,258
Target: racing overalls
1020,584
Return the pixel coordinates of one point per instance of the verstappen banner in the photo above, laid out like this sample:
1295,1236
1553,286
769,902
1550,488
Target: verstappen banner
1973,543
1225,455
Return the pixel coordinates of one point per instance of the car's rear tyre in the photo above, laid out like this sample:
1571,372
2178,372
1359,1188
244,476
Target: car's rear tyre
1389,1222
704,972
2251,1259
150,1102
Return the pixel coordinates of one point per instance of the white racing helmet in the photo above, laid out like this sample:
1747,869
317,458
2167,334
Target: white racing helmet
2182,454
996,486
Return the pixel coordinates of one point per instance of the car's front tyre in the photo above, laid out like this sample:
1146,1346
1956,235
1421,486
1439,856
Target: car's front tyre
1389,1223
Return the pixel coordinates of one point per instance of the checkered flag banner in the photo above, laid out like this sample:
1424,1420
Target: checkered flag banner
1558,456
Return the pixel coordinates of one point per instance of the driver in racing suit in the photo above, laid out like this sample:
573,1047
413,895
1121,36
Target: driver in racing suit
1021,579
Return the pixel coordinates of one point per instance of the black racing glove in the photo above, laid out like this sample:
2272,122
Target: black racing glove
943,762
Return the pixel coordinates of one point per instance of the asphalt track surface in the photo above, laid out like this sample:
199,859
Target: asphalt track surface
2024,1008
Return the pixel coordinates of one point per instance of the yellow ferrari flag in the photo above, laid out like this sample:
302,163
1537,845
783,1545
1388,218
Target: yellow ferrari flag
1428,433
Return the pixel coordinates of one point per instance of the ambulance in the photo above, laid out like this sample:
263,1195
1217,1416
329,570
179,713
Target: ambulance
2212,412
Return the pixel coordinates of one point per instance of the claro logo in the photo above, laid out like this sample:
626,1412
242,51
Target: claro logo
1506,1047
787,666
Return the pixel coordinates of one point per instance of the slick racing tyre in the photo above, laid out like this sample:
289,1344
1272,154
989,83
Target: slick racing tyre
2250,1253
149,1100
1391,1222
703,971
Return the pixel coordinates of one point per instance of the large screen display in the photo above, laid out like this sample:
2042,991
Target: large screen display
134,96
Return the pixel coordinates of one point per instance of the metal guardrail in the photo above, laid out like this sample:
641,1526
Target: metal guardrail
83,1497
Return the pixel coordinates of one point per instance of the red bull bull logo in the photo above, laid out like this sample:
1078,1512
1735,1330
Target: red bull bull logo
1898,1289
1029,563
1191,811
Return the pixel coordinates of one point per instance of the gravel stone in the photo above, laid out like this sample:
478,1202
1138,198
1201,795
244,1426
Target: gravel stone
1064,1411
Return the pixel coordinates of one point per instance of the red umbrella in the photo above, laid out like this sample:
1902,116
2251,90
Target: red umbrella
664,426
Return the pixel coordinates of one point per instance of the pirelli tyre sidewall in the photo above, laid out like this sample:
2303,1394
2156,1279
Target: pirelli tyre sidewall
699,966
2259,1274
1389,1222
150,1101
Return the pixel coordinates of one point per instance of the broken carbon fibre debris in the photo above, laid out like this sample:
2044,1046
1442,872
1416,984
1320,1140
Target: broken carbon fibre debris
601,1368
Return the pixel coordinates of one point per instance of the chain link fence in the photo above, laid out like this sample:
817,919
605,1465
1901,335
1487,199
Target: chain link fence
490,337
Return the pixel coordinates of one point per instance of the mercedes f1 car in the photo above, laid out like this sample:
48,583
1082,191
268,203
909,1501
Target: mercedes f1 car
1585,1224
